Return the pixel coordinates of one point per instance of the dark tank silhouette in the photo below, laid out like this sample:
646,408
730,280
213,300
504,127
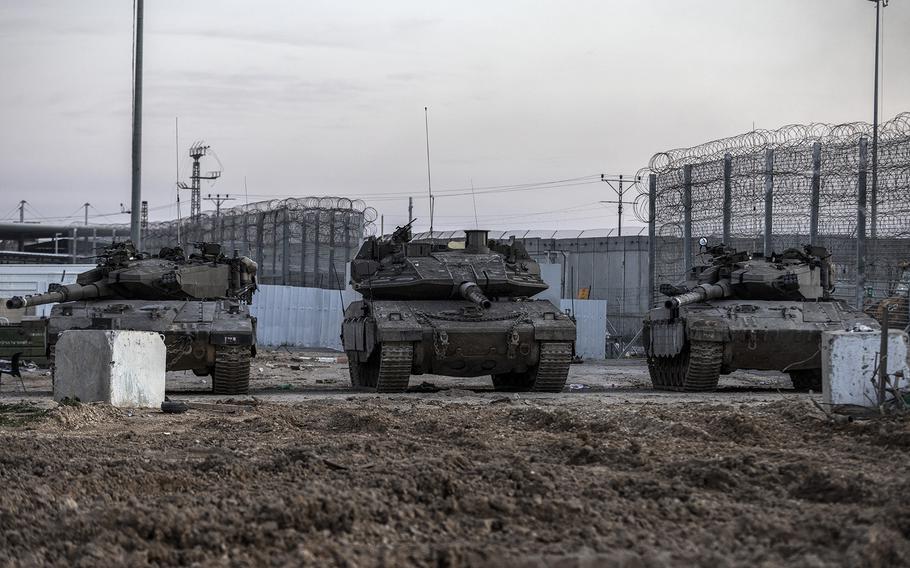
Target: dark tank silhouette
747,311
199,303
429,308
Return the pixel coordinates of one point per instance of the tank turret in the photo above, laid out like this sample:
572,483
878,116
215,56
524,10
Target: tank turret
794,274
126,274
398,268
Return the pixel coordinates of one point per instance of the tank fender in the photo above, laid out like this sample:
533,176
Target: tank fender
666,337
708,330
553,325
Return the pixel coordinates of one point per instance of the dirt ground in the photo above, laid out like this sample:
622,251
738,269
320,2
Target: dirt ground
607,473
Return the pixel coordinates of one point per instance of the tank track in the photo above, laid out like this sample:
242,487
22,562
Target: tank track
697,368
231,374
553,367
395,363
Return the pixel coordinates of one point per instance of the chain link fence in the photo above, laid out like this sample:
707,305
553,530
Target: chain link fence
769,190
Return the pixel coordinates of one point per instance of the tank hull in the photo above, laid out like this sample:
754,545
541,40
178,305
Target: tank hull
456,338
198,334
745,334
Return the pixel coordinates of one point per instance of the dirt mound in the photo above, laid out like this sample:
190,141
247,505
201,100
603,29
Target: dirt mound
77,416
407,481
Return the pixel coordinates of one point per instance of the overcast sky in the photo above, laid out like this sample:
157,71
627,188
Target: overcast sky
327,98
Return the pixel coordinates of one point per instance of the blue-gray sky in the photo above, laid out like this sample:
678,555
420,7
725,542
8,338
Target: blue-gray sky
327,98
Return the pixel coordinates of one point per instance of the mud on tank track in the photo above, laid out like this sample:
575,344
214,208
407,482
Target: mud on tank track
420,481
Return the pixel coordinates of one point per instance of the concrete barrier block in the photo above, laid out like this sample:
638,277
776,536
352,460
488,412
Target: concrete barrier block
849,360
123,368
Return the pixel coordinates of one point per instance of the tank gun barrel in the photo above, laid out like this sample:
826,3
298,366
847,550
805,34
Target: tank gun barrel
471,291
700,293
60,293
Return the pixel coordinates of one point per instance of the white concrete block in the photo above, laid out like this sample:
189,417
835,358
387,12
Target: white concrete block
849,361
124,368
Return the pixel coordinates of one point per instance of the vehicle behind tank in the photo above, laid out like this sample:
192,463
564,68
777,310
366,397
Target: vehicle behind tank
199,303
745,311
429,308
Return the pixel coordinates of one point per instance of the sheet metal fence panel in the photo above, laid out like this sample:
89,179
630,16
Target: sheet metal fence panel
591,326
300,317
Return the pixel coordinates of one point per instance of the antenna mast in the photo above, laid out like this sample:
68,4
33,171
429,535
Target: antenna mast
426,120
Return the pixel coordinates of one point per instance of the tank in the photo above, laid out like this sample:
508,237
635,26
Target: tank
747,311
199,303
459,312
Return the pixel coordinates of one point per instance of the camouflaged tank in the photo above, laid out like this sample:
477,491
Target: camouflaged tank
747,311
199,303
468,312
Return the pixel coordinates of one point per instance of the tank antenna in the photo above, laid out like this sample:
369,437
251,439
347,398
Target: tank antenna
177,163
474,199
426,121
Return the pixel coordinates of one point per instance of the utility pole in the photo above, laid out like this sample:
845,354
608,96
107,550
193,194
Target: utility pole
86,206
218,199
410,209
135,231
619,190
879,4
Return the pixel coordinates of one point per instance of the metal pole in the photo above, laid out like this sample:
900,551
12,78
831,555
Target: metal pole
816,189
769,201
652,233
135,232
410,209
75,231
687,219
861,221
728,196
426,118
874,196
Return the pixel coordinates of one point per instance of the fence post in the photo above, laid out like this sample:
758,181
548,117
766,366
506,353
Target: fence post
687,219
652,234
816,188
861,221
286,237
769,200
728,196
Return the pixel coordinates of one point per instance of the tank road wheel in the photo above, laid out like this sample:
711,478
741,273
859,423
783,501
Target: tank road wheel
697,368
805,380
363,375
395,361
549,375
231,374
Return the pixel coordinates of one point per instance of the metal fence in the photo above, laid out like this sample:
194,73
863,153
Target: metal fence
296,241
768,190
